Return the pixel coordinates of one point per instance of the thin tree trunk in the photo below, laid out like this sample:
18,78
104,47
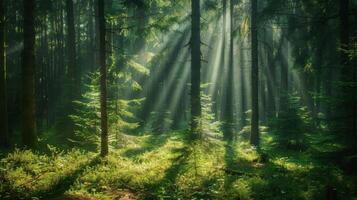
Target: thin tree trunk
4,137
71,48
77,21
96,35
221,93
228,111
262,97
254,138
243,91
195,68
103,80
284,81
348,105
91,42
271,85
29,134
72,83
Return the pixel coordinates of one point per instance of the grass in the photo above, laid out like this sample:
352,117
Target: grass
166,167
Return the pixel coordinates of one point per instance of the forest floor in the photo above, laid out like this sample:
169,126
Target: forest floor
166,167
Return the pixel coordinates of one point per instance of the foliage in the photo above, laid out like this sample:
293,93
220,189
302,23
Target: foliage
120,113
164,167
292,125
207,123
25,174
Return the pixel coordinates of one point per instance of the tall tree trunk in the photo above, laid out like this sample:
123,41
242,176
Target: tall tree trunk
348,105
77,21
262,96
96,35
319,73
4,137
103,80
271,85
72,84
243,90
221,93
284,80
195,67
29,134
71,48
254,137
228,110
91,37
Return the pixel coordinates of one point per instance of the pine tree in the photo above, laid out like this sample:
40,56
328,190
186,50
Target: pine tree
228,111
29,134
103,79
4,137
254,138
195,68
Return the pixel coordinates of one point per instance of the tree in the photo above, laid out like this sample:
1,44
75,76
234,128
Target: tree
347,107
254,137
29,135
228,111
284,80
72,78
243,90
220,93
271,91
71,47
195,67
4,137
103,80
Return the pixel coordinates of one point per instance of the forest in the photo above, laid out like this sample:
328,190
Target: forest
178,99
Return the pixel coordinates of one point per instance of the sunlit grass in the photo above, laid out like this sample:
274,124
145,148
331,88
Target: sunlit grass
167,167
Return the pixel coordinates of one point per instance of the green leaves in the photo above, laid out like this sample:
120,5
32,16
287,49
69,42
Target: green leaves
137,67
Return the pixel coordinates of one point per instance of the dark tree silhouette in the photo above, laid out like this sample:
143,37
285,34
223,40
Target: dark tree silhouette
29,134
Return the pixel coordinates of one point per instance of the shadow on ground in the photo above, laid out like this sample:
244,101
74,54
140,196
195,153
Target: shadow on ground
152,143
231,164
167,184
58,189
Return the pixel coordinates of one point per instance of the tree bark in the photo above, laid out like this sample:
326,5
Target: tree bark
221,93
284,80
228,111
271,85
243,90
254,137
29,134
91,37
195,68
103,80
71,48
4,134
348,106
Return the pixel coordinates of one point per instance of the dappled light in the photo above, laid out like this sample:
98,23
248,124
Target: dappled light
165,99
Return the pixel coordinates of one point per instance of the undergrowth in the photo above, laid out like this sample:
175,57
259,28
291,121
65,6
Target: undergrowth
166,167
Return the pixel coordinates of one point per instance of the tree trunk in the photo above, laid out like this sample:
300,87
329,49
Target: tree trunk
195,68
254,138
221,93
29,134
4,137
348,105
71,48
271,85
91,37
96,35
103,80
284,80
228,111
243,91
71,91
